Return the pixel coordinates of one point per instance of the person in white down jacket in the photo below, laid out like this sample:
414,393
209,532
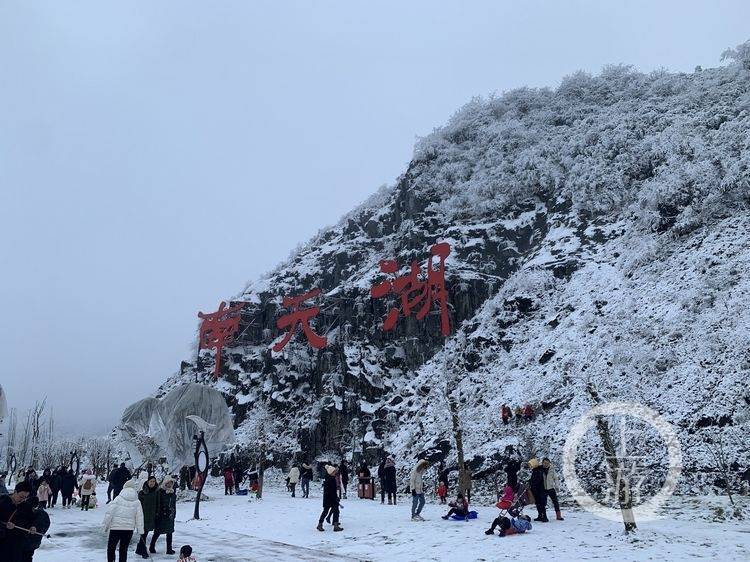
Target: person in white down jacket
123,517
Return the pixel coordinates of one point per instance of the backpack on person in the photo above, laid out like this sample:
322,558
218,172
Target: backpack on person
87,485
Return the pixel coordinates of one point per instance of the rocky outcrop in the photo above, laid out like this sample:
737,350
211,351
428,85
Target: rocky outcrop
596,234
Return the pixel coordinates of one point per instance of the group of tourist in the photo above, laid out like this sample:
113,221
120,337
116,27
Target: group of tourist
153,508
543,485
526,413
132,510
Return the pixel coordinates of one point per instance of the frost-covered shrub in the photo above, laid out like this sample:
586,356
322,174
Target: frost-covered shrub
671,148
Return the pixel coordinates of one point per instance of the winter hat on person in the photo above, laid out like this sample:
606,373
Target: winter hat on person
132,483
533,463
330,469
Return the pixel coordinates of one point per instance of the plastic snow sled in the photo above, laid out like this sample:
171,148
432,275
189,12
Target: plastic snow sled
472,515
242,492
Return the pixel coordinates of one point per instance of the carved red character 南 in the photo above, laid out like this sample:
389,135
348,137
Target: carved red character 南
217,330
297,316
424,292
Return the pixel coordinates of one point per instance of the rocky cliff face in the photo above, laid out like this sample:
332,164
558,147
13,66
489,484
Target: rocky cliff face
599,233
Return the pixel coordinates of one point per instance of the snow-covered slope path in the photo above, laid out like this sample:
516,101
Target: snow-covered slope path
282,528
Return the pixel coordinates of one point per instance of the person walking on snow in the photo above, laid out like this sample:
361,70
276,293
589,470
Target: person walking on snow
389,479
305,477
330,499
442,492
506,414
44,494
149,498
166,514
344,473
68,487
228,481
416,485
293,478
55,483
123,517
512,467
536,484
528,413
86,487
381,480
551,486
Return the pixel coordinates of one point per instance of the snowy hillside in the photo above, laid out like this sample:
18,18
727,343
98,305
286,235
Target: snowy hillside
599,232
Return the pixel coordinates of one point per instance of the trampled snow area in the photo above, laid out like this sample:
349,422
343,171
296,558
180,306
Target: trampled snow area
279,527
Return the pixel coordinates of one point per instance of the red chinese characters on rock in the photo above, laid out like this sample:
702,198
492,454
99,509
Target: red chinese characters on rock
302,317
218,329
415,293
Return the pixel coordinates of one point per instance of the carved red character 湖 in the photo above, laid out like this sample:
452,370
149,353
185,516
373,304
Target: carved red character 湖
302,317
415,293
217,330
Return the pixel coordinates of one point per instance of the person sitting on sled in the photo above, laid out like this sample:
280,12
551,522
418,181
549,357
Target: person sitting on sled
459,507
510,526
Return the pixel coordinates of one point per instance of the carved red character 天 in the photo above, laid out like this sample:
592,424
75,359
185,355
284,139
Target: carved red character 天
417,294
217,330
297,316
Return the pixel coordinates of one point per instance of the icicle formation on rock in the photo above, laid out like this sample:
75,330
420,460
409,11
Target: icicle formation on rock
153,428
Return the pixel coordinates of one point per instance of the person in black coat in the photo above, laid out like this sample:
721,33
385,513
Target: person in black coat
381,480
55,482
512,467
330,498
119,476
67,487
389,480
536,483
33,479
39,521
344,472
15,509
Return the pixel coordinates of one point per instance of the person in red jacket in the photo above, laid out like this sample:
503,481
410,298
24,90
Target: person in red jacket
528,412
506,414
228,481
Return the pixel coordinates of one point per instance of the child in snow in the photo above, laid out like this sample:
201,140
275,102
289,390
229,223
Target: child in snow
442,492
44,494
186,554
459,507
92,501
228,481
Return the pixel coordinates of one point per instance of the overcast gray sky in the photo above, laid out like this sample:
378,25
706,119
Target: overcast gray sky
154,156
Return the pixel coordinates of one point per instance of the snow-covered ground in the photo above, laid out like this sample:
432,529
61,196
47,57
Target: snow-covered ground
279,527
